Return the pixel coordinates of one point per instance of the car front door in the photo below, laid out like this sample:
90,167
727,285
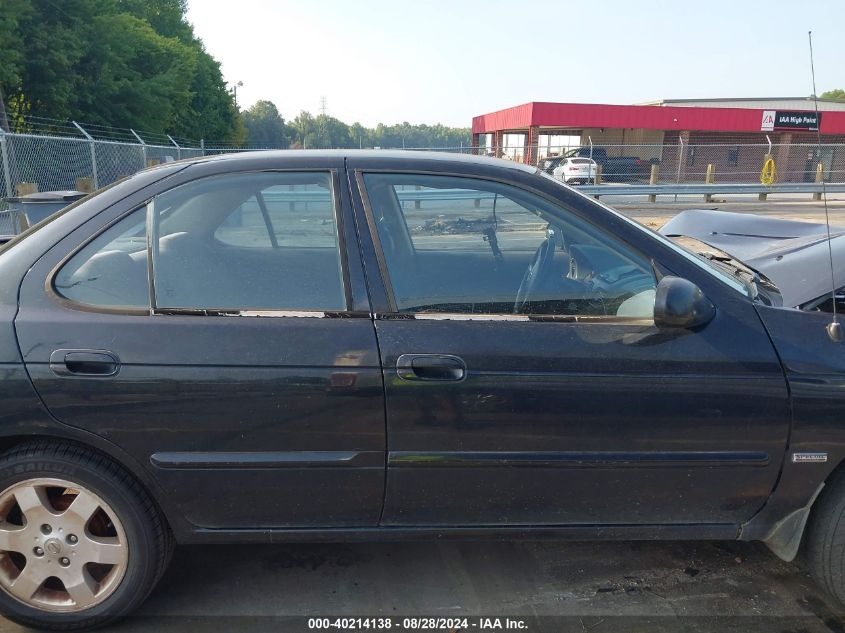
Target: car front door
238,362
526,381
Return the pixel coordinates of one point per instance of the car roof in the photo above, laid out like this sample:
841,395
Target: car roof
415,156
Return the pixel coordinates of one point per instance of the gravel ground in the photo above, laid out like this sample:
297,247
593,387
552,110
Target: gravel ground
551,586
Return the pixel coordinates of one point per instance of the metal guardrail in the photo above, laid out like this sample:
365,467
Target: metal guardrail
592,190
404,196
702,189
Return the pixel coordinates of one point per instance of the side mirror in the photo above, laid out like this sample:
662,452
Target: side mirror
679,303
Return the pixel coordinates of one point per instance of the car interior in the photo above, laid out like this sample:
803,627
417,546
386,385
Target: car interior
245,244
219,249
567,268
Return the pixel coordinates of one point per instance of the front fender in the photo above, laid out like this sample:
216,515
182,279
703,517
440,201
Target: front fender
815,371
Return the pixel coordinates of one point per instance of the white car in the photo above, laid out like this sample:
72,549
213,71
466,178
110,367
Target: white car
575,170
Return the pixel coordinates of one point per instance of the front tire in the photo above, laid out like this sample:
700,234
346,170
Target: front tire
81,542
825,539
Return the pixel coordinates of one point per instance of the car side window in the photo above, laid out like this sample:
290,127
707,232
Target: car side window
470,246
282,216
110,271
251,241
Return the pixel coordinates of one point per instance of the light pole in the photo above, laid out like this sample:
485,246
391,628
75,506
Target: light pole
235,91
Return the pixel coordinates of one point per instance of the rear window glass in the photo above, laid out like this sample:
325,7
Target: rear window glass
289,215
234,242
111,271
251,241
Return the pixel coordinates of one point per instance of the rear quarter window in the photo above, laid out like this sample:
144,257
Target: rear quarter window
111,271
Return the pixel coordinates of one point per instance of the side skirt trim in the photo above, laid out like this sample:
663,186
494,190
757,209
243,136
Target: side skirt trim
573,459
267,460
708,531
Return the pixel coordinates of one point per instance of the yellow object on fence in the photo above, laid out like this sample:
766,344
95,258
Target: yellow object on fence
769,174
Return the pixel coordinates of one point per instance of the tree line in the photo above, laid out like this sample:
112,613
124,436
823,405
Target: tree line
119,63
138,64
267,128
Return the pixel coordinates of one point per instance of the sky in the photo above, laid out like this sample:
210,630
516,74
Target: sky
445,61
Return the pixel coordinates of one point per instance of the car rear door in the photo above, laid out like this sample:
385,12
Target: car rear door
250,386
566,414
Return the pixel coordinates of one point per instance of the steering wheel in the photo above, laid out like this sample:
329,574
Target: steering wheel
538,269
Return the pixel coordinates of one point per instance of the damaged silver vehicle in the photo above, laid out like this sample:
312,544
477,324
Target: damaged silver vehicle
788,261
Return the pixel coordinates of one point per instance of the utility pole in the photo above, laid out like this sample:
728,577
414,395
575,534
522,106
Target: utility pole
323,107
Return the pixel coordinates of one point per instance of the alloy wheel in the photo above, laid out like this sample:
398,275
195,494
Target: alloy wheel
62,548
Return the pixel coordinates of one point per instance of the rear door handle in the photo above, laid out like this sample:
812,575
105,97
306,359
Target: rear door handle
84,362
431,367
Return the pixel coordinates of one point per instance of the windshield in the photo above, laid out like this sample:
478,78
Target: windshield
699,260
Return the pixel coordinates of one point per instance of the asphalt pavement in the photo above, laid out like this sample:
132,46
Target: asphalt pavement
786,206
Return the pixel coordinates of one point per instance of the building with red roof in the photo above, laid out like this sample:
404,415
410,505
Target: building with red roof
688,133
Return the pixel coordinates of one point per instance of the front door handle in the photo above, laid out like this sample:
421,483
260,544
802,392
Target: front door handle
84,362
431,367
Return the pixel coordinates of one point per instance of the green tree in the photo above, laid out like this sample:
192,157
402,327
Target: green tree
421,136
359,136
131,76
51,44
167,17
211,112
11,50
125,63
333,132
836,93
265,127
303,127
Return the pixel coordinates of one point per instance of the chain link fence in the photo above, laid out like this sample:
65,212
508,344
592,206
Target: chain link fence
697,158
35,162
7,225
31,162
46,163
